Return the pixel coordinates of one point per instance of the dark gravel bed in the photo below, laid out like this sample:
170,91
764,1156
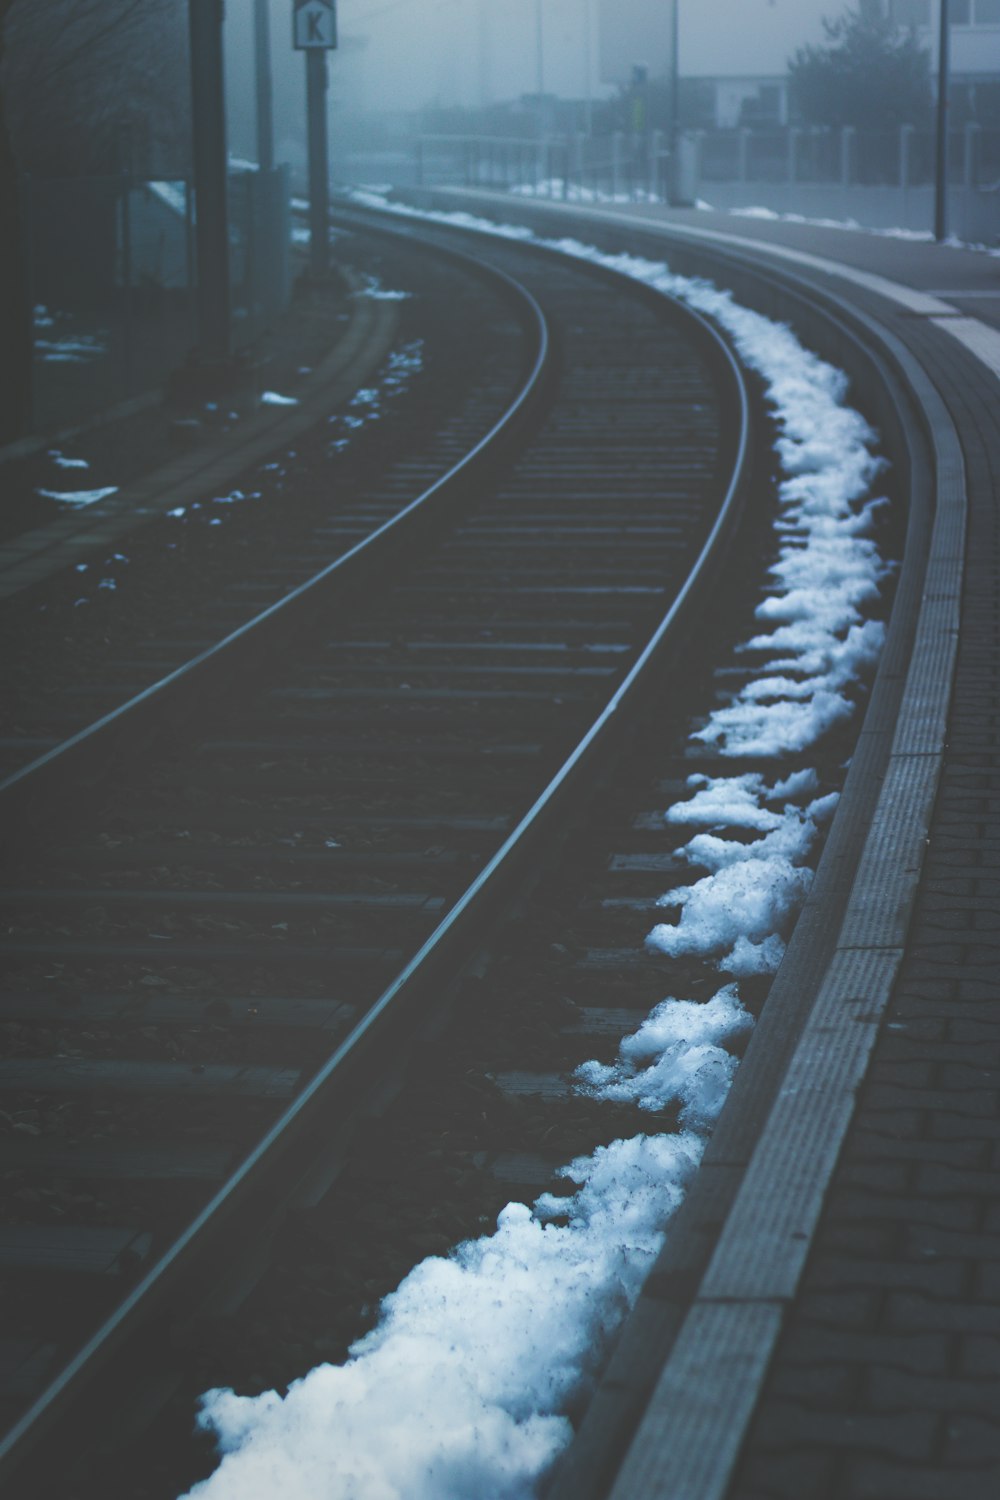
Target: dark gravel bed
100,626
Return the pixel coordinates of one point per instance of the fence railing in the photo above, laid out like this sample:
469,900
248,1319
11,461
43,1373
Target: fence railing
615,166
635,164
882,179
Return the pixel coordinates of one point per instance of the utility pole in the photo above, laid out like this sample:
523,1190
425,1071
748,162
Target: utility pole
542,165
265,105
483,48
588,64
675,110
314,31
319,162
941,152
208,112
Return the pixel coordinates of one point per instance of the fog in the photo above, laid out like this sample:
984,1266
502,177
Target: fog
399,56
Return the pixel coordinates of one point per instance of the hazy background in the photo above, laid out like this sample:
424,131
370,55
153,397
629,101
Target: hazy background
400,56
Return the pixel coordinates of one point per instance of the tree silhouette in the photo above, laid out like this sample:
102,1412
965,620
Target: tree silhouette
86,87
870,73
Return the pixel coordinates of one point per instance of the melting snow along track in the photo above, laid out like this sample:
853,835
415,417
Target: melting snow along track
295,840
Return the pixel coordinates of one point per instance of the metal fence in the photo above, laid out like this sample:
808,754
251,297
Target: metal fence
111,267
878,178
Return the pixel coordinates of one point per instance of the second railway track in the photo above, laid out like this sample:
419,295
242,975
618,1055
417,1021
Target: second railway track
315,807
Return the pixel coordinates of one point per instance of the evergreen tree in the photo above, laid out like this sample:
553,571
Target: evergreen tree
869,73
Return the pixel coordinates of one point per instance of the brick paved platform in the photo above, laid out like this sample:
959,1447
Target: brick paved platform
824,1323
885,1384
885,1380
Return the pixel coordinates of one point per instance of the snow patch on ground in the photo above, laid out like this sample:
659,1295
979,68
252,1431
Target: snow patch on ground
919,236
677,1053
78,498
462,1388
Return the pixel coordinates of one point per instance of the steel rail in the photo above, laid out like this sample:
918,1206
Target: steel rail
339,1081
97,744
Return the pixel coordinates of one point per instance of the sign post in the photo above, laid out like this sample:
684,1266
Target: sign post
941,133
314,31
209,133
262,72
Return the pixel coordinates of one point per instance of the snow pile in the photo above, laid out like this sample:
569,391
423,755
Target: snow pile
740,912
574,192
913,236
742,907
78,498
373,288
461,1390
677,1053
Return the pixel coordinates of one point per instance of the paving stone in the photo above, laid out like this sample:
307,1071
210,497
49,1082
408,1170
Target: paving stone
876,1240
821,1387
926,1353
988,1280
909,1312
875,1479
931,1240
982,1073
932,1177
910,990
908,1075
866,1145
912,1033
901,1123
970,988
788,1475
980,1356
974,1439
785,1423
946,1048
903,1391
978,1104
976,1032
946,1126
880,1177
855,1308
940,1279
910,1208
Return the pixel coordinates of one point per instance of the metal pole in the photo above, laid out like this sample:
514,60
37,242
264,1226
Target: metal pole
540,166
209,132
675,112
265,104
126,230
319,166
941,172
588,21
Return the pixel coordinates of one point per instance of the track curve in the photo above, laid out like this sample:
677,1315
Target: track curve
642,631
715,1321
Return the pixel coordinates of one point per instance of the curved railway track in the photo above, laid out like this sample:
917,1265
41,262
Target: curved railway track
295,841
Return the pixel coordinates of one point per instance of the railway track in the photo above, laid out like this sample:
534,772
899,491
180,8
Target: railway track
90,639
294,843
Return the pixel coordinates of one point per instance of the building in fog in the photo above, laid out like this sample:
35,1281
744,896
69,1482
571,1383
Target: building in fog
399,56
733,54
